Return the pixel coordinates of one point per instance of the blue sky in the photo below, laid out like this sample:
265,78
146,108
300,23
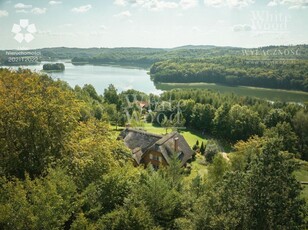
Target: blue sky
155,23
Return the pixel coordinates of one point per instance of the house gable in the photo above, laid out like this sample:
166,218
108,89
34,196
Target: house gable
156,149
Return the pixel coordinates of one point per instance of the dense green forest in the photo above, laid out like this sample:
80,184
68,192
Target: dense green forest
234,71
54,67
62,167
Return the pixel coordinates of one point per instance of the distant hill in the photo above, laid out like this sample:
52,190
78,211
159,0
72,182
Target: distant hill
145,57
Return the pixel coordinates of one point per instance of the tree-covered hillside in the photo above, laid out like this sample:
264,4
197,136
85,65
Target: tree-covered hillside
62,167
284,74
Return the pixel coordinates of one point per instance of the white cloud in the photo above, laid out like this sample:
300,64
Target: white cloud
103,27
3,13
292,4
22,6
124,14
55,34
120,2
158,5
82,9
38,10
65,25
22,11
273,3
228,3
96,33
186,4
55,2
241,28
196,29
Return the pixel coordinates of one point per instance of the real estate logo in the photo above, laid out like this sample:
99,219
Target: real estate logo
269,22
24,31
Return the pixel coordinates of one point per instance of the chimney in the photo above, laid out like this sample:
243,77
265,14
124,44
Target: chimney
176,144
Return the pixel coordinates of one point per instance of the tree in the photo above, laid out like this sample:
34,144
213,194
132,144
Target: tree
173,173
43,203
130,217
244,123
202,148
90,90
245,152
166,123
91,152
272,188
109,192
212,148
202,117
162,200
111,95
265,195
284,132
300,123
36,120
276,116
224,205
221,122
196,146
218,168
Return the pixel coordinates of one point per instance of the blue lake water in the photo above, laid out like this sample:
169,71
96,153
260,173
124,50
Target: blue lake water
101,76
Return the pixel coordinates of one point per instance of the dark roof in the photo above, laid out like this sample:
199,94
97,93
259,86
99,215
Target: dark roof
166,146
137,154
135,138
141,142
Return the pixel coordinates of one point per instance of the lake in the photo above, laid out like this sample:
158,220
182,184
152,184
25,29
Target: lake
101,76
122,78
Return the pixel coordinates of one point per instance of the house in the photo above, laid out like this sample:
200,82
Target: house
148,148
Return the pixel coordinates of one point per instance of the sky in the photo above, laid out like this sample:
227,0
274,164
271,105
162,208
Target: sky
29,24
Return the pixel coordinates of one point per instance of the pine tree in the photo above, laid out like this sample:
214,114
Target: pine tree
202,148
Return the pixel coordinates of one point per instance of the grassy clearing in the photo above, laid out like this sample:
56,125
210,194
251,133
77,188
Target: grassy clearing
198,167
263,93
191,136
302,175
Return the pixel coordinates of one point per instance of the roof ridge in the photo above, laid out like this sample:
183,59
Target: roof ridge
144,132
164,139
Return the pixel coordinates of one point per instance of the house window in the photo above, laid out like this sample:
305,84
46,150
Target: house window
151,156
156,158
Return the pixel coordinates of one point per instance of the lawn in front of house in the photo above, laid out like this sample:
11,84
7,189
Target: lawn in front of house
198,167
190,136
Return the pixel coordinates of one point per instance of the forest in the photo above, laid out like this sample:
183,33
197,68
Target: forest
54,67
234,71
62,167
